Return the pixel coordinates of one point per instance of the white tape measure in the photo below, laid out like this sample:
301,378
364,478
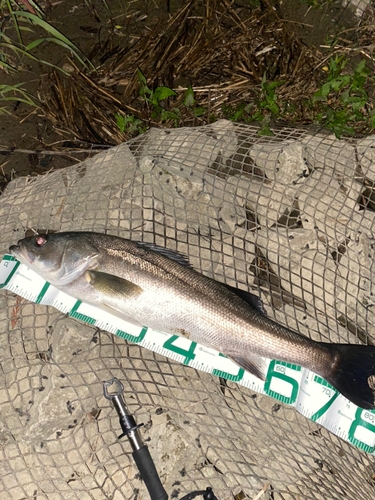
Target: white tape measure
310,394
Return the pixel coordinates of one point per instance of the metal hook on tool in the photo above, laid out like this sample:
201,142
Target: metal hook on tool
127,422
120,390
140,453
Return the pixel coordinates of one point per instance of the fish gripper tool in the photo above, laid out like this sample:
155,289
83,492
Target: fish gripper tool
140,452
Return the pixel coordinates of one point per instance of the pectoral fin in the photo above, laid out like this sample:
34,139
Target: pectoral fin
253,364
115,287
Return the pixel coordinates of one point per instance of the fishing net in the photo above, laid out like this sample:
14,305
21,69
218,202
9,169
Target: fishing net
289,217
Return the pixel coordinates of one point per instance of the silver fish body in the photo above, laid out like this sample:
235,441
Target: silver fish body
156,288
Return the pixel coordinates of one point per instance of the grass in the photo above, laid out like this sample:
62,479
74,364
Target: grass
341,104
14,25
264,107
14,93
344,101
17,24
276,79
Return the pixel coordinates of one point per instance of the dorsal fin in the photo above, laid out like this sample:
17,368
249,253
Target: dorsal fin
171,254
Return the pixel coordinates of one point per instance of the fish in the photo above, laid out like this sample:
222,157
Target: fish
151,286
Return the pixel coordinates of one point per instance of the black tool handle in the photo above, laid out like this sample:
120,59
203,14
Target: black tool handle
149,474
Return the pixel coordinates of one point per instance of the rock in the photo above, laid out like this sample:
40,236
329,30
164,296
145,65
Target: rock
63,400
366,156
322,151
282,162
286,219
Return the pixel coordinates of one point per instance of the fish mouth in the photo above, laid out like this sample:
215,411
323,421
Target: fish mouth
22,254
14,249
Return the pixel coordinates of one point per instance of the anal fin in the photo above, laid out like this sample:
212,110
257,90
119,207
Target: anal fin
119,313
252,363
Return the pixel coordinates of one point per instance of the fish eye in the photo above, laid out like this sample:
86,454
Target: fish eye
40,240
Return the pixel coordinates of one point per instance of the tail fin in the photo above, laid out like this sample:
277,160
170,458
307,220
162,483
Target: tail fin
355,364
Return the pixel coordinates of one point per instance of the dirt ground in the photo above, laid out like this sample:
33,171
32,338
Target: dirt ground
88,25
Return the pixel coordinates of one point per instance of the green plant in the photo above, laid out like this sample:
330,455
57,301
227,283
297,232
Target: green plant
267,105
14,93
263,109
341,100
189,103
242,112
154,97
15,23
130,124
133,125
316,4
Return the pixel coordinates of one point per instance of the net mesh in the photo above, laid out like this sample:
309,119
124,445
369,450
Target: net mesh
289,217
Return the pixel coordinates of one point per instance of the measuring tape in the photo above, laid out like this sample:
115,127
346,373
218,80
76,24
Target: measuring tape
311,395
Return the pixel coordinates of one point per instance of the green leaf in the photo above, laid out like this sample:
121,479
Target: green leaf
19,99
237,115
161,93
329,112
356,106
58,37
273,107
120,121
63,44
199,111
324,90
340,82
9,88
16,49
130,119
189,97
266,131
48,27
226,109
35,43
257,116
273,85
248,107
317,97
25,28
4,89
8,66
15,22
169,115
345,97
36,7
263,82
141,77
360,67
143,86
